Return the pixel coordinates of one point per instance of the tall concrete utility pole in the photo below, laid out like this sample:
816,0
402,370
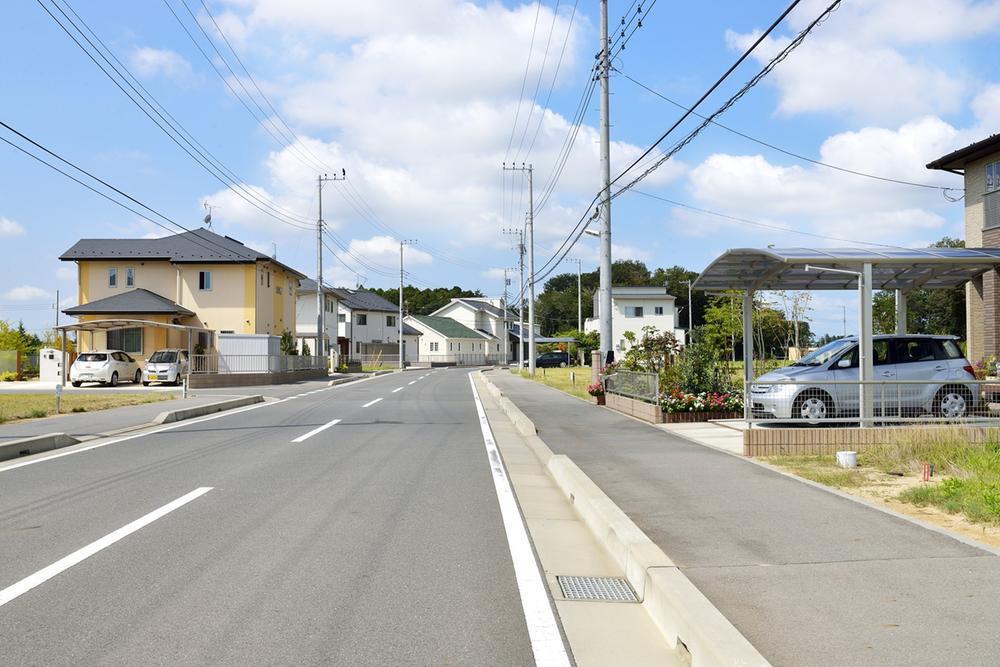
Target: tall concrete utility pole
531,262
503,307
399,320
579,293
519,233
320,295
690,315
604,292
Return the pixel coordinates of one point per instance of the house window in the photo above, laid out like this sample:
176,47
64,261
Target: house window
362,319
112,277
342,317
434,347
268,278
130,277
657,310
459,347
450,346
262,278
633,311
205,281
993,177
277,289
126,340
357,347
390,320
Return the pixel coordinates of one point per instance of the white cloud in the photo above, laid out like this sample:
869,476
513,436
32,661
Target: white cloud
149,62
26,293
10,228
66,272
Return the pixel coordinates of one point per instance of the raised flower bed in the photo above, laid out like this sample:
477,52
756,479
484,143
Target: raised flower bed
681,407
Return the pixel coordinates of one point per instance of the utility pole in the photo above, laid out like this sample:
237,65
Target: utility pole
579,293
399,320
503,307
531,261
320,295
604,295
690,315
520,299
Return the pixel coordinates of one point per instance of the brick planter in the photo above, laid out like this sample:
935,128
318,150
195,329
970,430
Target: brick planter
649,412
689,417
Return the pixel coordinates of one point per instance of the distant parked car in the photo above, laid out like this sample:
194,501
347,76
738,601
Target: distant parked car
168,366
552,360
104,366
934,364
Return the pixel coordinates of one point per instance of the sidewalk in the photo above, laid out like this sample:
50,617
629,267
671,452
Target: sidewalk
808,577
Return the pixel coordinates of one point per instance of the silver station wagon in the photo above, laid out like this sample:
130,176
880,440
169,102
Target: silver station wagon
940,375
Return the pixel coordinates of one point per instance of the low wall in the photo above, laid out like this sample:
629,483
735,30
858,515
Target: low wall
808,441
212,380
649,412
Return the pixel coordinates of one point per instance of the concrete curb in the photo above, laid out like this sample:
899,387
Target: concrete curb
35,444
202,410
681,612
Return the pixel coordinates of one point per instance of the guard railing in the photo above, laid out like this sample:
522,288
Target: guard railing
634,384
254,363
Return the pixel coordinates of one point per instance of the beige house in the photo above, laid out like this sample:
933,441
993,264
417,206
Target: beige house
196,278
979,163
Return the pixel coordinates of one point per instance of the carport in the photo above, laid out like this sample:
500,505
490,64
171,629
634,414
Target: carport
105,325
903,270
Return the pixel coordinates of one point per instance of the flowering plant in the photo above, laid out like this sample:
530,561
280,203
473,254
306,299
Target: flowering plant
986,367
595,389
706,401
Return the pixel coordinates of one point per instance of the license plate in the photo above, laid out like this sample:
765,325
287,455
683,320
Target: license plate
152,377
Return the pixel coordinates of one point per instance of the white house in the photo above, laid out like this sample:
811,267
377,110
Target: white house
634,308
444,340
366,323
486,316
305,315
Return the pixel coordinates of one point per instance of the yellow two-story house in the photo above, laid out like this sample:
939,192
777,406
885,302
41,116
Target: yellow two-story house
194,279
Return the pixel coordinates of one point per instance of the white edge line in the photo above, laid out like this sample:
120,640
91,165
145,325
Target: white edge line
371,403
543,630
186,422
316,430
31,581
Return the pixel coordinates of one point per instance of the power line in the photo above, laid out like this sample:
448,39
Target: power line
785,151
524,80
555,76
538,82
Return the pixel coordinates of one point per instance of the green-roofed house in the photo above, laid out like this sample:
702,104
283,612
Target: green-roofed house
446,341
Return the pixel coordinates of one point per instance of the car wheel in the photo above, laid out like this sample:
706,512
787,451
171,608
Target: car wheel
114,379
138,377
178,380
814,406
953,402
76,384
562,364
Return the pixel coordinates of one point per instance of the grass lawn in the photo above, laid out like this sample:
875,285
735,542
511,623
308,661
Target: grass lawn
966,480
31,406
562,379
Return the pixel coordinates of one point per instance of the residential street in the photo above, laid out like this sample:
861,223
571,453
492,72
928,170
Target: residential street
374,540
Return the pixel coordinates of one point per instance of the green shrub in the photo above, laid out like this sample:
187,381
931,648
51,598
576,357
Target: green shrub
8,376
79,408
37,414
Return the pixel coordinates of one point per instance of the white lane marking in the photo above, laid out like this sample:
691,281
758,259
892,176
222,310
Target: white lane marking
20,588
188,422
543,631
414,382
397,389
316,430
371,403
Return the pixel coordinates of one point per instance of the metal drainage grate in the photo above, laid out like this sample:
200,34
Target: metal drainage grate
596,588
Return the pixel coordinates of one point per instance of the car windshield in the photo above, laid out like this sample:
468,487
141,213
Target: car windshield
163,357
92,356
825,353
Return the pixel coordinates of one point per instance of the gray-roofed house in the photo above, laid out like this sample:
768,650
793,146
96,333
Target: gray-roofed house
196,278
366,324
447,341
306,316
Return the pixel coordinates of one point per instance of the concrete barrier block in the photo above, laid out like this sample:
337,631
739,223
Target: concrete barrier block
35,444
208,409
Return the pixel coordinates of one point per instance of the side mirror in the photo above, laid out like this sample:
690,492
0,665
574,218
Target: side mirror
844,363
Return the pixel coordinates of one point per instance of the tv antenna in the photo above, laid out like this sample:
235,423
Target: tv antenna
208,218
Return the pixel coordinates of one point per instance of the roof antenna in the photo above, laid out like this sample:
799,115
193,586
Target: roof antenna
208,218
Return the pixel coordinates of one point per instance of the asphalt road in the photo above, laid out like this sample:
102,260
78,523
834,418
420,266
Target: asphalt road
243,539
810,578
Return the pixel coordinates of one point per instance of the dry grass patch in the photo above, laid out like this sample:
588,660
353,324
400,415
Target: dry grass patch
14,407
563,379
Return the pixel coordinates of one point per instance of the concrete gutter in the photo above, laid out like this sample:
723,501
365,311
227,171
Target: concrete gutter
35,444
208,409
681,612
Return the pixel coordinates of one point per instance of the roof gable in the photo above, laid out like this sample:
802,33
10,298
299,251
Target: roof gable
132,302
446,326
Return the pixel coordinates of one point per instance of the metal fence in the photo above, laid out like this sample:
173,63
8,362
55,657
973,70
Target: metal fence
392,360
887,401
254,363
642,386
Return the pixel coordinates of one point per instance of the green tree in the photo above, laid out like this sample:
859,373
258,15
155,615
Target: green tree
421,301
288,343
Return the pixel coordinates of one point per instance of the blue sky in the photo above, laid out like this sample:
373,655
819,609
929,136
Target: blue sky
418,104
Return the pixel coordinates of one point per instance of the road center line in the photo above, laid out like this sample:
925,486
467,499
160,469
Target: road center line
316,430
414,382
371,403
20,588
397,389
543,631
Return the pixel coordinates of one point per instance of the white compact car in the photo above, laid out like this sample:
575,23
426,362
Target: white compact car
168,366
104,366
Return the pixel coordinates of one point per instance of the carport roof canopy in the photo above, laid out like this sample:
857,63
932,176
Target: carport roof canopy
104,325
892,268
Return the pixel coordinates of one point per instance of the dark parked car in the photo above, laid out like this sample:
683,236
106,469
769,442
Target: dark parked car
552,360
